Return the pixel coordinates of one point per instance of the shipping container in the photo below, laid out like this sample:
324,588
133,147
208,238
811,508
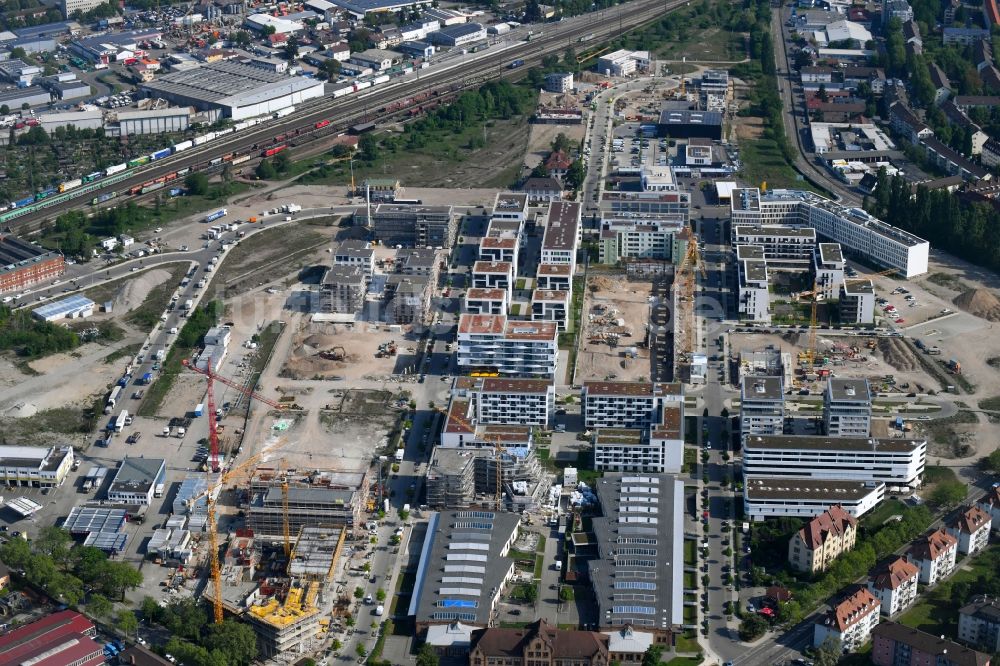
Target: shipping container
361,128
160,154
281,113
151,187
139,161
112,170
378,80
26,201
116,393
275,150
44,194
183,145
91,177
101,198
321,124
212,217
199,409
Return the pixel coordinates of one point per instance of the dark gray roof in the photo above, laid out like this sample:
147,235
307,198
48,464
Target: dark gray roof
833,491
806,442
761,388
137,475
638,575
678,117
849,389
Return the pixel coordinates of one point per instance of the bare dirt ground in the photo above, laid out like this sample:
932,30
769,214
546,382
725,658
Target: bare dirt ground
542,136
614,307
312,354
133,293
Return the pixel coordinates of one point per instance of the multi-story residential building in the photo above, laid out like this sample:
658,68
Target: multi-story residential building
822,540
627,404
853,228
898,463
972,529
342,290
407,298
551,305
562,233
979,623
669,205
491,301
658,449
538,644
857,302
512,206
754,296
499,248
637,238
510,348
898,645
506,400
762,406
356,253
847,408
894,584
414,226
851,621
934,554
768,497
35,467
493,275
828,269
785,247
990,503
554,276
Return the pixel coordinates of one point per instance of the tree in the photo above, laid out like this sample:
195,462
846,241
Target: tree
822,94
99,606
16,553
426,656
266,170
540,171
151,609
562,143
992,462
118,577
359,592
196,183
127,623
404,515
368,146
360,649
236,640
752,627
336,645
566,593
350,621
530,593
576,174
331,67
829,652
380,595
653,655
948,493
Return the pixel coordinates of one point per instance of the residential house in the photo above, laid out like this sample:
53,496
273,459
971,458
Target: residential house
851,621
942,87
979,623
990,503
972,529
540,190
558,163
822,540
898,645
894,583
934,554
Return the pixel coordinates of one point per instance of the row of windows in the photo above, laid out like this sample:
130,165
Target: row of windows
651,552
633,610
643,540
634,585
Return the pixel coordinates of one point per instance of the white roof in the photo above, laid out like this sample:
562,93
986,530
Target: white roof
448,635
724,189
629,640
839,30
281,26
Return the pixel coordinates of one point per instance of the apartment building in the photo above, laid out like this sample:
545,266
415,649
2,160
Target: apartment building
979,623
511,206
754,304
492,301
972,529
934,554
414,226
356,253
894,584
627,404
658,449
822,540
898,463
769,497
638,238
853,228
342,290
499,248
785,247
898,645
665,205
510,348
990,503
562,233
506,400
851,621
847,408
549,305
762,406
828,270
554,277
857,302
493,275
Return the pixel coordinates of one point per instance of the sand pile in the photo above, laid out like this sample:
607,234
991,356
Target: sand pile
979,302
897,354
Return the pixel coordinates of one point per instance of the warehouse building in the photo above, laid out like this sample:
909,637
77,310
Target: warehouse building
136,480
640,539
23,264
458,35
464,568
71,307
360,8
78,119
152,121
16,98
414,226
34,466
64,637
234,90
66,89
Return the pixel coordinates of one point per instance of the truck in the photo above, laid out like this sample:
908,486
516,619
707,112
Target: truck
116,393
199,409
158,490
121,420
147,378
124,380
188,304
291,208
399,455
212,217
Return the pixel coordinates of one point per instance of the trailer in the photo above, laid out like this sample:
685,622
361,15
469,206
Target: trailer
116,393
183,145
199,409
120,422
212,217
112,170
159,154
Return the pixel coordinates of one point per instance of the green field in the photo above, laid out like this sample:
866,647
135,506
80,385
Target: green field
935,613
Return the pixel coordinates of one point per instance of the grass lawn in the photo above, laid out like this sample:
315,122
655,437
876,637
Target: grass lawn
764,162
690,459
690,552
690,614
690,580
935,612
687,642
708,45
885,510
682,661
990,403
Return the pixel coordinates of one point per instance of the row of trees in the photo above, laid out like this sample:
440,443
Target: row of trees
970,230
195,639
31,338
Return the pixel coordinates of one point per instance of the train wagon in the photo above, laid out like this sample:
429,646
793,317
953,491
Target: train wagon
321,124
270,152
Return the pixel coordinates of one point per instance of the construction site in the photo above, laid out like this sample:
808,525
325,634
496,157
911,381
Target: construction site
462,478
614,344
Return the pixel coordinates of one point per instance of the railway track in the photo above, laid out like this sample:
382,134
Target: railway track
345,112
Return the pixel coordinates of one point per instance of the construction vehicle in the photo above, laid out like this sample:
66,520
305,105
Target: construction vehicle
335,354
386,349
954,367
213,432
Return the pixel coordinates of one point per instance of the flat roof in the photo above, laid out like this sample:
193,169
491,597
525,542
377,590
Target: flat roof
492,267
63,307
761,488
341,274
515,385
485,294
830,253
807,442
755,270
671,425
43,459
620,437
681,117
473,323
551,295
229,83
137,475
510,202
761,388
749,252
554,269
563,226
498,242
859,286
641,389
849,389
779,230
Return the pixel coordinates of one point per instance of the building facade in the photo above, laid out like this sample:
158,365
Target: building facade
23,264
626,404
895,644
894,584
979,624
35,467
851,621
822,540
510,348
762,406
972,529
934,554
770,497
847,408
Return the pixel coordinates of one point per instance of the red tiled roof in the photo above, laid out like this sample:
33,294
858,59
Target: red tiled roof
971,520
932,545
833,521
853,609
563,644
63,634
558,160
892,574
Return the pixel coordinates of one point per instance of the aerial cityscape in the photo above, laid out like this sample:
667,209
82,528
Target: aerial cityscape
440,333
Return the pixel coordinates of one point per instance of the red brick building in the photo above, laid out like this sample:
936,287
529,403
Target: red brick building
61,639
23,264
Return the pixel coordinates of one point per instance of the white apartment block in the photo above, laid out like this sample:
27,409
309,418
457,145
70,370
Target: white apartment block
898,463
972,529
548,305
493,275
762,406
659,449
847,408
499,248
754,303
774,497
850,622
786,247
512,206
637,238
828,269
511,348
934,554
857,302
894,584
990,503
486,301
562,233
627,404
555,277
505,401
853,228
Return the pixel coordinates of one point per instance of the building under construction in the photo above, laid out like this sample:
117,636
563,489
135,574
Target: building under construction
310,498
461,478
